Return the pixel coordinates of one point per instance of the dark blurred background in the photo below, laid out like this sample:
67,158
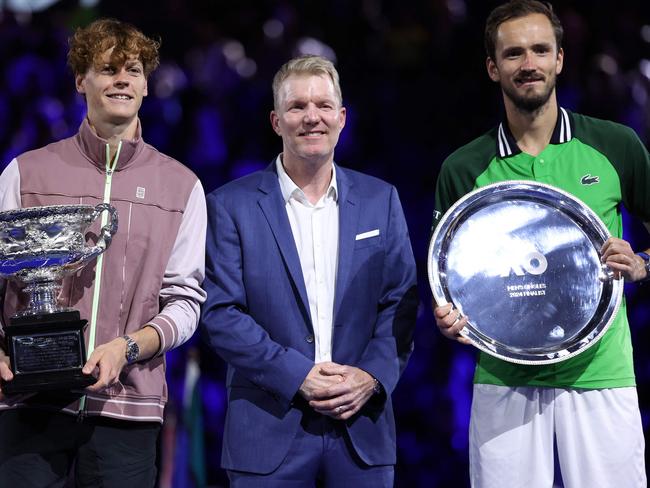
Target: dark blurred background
414,83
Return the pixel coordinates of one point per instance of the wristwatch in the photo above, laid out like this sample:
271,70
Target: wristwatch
646,259
132,350
377,388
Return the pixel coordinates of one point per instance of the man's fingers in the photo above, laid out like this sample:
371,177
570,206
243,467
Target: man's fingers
463,340
108,372
348,413
5,372
331,391
453,323
91,364
453,331
332,369
442,311
615,247
99,385
331,403
340,411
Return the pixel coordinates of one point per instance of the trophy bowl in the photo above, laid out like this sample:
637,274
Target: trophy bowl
522,261
39,246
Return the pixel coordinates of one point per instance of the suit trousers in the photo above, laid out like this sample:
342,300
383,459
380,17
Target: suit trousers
321,455
39,448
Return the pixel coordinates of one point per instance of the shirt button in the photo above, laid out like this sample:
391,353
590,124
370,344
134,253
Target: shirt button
541,161
310,338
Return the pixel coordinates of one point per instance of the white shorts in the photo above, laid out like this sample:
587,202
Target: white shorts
598,434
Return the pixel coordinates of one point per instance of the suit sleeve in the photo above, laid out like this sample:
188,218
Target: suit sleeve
388,351
227,326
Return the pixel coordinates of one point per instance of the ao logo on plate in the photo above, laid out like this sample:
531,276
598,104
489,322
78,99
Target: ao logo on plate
534,263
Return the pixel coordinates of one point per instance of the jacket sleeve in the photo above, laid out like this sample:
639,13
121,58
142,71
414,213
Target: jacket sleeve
388,351
181,294
227,326
9,200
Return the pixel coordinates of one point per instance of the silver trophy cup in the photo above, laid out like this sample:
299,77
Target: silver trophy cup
39,246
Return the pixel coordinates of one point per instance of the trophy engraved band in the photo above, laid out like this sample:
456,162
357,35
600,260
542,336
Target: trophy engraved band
521,260
39,246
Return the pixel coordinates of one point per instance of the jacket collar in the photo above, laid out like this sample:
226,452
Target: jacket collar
273,206
270,181
94,147
507,146
289,188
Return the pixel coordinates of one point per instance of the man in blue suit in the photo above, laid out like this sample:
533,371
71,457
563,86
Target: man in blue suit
311,301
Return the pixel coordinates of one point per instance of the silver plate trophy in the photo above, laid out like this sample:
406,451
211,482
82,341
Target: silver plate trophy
39,246
521,260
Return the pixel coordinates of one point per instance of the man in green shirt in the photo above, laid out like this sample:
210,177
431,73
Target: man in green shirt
586,405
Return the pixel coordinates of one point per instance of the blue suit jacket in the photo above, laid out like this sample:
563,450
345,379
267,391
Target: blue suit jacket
257,318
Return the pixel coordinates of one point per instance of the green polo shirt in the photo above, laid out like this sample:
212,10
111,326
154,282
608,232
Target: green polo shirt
602,163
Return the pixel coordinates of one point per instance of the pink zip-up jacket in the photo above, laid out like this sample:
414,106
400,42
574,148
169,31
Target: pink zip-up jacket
151,272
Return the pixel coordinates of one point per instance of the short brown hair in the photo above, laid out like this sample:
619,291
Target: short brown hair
308,64
88,44
515,9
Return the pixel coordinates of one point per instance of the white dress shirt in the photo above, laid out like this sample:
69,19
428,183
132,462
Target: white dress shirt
315,231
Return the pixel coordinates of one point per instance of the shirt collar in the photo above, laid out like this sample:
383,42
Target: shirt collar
94,147
289,188
507,146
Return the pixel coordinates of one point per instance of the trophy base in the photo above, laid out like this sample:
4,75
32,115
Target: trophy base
50,381
47,352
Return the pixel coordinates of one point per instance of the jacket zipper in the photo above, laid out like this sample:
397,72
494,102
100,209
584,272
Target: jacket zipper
110,169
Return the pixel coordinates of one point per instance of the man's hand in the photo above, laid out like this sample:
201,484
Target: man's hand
345,398
317,381
5,370
618,255
450,322
109,359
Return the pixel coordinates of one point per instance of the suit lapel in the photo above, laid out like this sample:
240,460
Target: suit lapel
273,207
348,224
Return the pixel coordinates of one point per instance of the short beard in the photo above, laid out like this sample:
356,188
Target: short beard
529,105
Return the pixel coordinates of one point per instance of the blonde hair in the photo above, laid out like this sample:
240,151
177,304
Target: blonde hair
308,64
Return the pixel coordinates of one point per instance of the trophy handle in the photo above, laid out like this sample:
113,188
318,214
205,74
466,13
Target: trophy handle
105,234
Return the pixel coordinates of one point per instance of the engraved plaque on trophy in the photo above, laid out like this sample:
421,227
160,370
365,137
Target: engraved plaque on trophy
39,246
522,261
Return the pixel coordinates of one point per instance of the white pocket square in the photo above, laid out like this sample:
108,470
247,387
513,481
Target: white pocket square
365,235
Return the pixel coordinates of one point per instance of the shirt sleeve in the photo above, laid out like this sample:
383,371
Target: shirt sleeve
10,187
181,294
9,200
636,196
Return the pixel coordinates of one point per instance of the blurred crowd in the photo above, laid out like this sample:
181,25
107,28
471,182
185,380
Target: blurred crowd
414,83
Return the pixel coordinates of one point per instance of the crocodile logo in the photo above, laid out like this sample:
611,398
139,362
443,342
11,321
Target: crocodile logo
589,180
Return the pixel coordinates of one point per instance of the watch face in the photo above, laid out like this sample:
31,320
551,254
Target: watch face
521,260
132,350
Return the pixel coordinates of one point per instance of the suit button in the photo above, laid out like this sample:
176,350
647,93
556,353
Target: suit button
310,338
